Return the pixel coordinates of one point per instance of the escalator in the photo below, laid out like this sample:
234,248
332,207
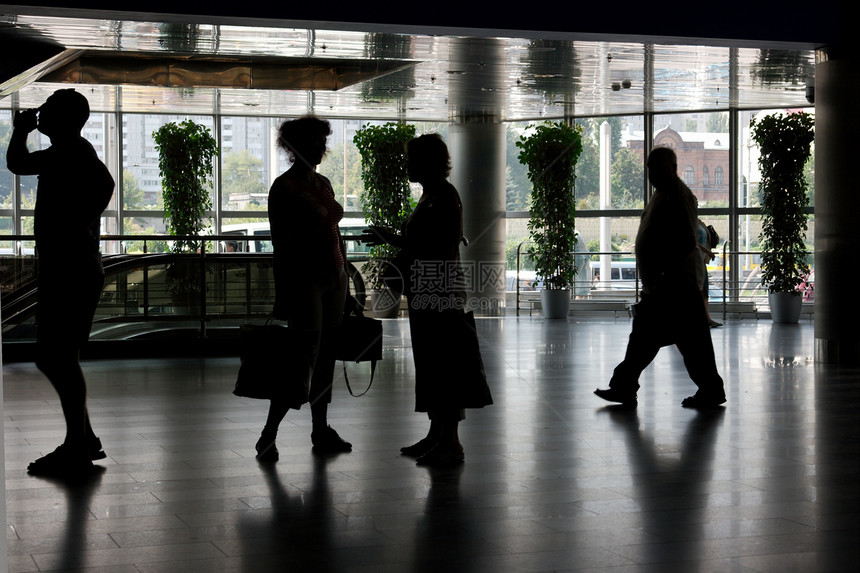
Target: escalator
145,310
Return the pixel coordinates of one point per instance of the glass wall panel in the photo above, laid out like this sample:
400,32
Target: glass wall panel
141,179
626,171
622,140
702,144
6,247
517,185
27,227
100,131
250,161
248,233
342,163
616,248
749,260
621,239
27,189
749,225
516,235
748,172
718,268
6,178
145,226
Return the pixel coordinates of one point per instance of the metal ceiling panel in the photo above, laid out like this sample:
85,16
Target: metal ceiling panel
417,76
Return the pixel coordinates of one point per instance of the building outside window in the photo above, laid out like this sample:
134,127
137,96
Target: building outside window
689,175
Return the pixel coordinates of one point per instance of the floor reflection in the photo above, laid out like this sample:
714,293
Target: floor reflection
671,483
553,480
78,492
787,346
444,538
297,531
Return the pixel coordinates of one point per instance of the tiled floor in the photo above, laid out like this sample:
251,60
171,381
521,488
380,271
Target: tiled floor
553,480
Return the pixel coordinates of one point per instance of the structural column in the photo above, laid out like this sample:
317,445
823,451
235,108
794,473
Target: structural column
837,204
477,145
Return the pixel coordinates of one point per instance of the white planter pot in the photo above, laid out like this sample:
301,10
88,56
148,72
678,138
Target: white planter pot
785,307
555,303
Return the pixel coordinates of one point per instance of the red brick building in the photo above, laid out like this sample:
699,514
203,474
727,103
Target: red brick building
703,162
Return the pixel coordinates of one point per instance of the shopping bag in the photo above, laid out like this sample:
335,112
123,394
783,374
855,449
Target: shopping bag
276,363
359,339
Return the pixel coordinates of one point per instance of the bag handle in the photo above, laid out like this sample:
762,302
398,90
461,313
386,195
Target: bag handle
369,384
351,306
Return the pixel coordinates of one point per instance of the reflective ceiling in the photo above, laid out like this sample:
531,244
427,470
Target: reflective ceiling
354,74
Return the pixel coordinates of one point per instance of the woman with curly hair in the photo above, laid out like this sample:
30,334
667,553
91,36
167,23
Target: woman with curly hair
310,272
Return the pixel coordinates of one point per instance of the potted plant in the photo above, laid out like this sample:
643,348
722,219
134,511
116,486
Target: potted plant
185,156
387,199
550,153
785,142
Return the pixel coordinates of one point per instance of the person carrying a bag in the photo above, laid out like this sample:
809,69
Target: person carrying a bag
310,272
445,384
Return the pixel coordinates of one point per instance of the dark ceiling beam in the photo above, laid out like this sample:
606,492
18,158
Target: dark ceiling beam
25,53
36,70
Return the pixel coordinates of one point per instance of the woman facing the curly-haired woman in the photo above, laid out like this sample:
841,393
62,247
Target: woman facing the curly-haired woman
441,349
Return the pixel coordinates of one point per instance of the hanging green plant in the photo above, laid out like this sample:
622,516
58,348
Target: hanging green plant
550,154
387,199
785,143
185,157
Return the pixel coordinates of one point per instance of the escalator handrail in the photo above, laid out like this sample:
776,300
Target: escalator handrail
23,299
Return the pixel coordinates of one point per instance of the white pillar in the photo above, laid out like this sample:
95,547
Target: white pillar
477,147
605,203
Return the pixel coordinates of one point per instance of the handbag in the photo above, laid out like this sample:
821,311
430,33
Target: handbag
474,392
359,340
276,363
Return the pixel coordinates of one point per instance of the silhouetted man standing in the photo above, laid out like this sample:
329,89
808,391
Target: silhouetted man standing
74,189
672,310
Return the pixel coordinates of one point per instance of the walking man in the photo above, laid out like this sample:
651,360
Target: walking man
672,310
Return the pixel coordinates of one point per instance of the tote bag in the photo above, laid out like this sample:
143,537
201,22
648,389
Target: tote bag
277,362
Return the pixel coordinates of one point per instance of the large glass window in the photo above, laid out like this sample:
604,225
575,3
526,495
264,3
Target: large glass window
141,181
342,164
28,184
98,131
250,160
749,221
749,174
7,194
618,140
6,179
517,185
